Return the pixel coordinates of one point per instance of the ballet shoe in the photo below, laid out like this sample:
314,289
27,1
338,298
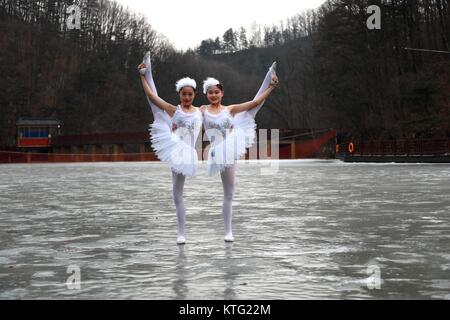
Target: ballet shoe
181,240
229,238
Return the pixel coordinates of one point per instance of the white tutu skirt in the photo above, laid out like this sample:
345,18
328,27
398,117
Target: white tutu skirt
226,151
171,149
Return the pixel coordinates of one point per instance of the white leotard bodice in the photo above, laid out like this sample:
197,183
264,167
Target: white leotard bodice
222,122
229,136
188,123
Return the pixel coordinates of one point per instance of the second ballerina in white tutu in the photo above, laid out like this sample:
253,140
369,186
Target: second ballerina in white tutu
231,130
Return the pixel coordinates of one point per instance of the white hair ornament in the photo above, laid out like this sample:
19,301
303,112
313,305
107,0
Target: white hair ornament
185,82
208,83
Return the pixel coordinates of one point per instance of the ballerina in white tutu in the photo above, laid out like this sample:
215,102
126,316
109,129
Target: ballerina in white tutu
174,133
231,130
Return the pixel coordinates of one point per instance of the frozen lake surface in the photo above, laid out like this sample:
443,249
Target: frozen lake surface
314,230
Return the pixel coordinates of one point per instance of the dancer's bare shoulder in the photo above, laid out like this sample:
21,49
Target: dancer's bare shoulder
198,109
230,110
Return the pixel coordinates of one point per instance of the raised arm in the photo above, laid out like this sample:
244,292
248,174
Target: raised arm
160,103
238,108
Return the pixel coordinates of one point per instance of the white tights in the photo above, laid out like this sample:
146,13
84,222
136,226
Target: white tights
227,208
178,186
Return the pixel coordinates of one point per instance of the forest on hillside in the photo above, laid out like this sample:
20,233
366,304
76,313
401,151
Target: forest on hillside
334,71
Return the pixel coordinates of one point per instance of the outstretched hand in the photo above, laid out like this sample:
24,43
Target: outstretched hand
274,81
141,68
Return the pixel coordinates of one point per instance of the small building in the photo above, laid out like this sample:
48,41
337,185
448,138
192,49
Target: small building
37,133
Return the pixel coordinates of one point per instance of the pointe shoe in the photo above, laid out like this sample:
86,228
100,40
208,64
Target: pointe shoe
181,240
229,238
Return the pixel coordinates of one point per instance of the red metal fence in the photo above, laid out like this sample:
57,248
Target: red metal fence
20,157
440,147
320,146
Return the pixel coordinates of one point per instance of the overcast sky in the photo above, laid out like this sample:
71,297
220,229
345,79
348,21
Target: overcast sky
187,23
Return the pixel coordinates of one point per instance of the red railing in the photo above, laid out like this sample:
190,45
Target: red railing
33,142
22,157
102,138
436,147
